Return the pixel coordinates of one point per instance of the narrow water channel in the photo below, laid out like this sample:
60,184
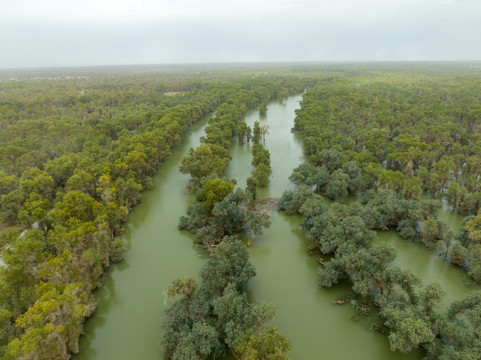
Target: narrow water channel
127,322
287,274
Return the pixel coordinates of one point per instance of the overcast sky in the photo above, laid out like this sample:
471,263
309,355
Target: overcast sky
45,33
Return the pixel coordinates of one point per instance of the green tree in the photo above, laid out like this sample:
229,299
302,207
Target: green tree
34,209
213,191
76,206
261,173
236,317
256,132
8,183
458,253
53,324
473,227
251,189
475,266
268,344
10,204
409,332
38,181
430,231
337,187
263,109
206,160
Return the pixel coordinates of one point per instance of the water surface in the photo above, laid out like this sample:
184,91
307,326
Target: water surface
127,323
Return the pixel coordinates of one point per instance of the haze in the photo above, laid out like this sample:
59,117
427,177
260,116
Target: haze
106,32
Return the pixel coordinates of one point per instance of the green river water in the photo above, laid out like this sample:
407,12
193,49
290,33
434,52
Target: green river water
127,322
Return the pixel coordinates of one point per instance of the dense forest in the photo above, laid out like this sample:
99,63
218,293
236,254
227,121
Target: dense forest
207,321
385,148
76,155
399,145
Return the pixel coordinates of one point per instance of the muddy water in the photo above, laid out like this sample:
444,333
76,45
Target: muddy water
287,273
127,322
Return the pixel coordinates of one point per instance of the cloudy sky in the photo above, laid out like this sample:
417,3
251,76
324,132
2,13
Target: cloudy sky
45,33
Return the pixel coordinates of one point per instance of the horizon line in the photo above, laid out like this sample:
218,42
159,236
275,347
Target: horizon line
272,62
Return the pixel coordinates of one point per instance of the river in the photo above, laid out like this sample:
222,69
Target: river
126,324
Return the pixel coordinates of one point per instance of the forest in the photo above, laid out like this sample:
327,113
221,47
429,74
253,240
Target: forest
401,146
385,148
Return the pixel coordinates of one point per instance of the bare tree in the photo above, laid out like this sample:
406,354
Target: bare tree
264,132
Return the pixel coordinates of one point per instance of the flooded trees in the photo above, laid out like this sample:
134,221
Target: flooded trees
215,315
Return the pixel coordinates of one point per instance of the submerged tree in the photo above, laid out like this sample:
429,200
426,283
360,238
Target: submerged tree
263,109
206,160
256,132
215,316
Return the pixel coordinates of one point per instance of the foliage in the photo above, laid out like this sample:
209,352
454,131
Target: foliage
393,136
267,344
212,192
207,159
261,160
75,157
210,318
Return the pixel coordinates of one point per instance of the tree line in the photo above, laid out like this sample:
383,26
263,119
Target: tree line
387,139
215,317
76,156
409,134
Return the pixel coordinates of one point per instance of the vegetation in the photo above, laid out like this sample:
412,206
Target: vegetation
400,135
75,159
263,109
76,154
215,316
220,211
387,138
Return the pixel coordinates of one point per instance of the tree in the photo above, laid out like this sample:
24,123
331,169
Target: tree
213,191
185,287
260,155
331,159
10,204
61,168
261,173
236,317
53,324
231,260
206,160
475,266
76,206
473,227
292,201
82,181
408,332
430,231
263,109
453,194
458,253
251,189
208,318
256,137
38,181
407,228
264,132
243,131
8,183
268,344
442,172
337,186
34,209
